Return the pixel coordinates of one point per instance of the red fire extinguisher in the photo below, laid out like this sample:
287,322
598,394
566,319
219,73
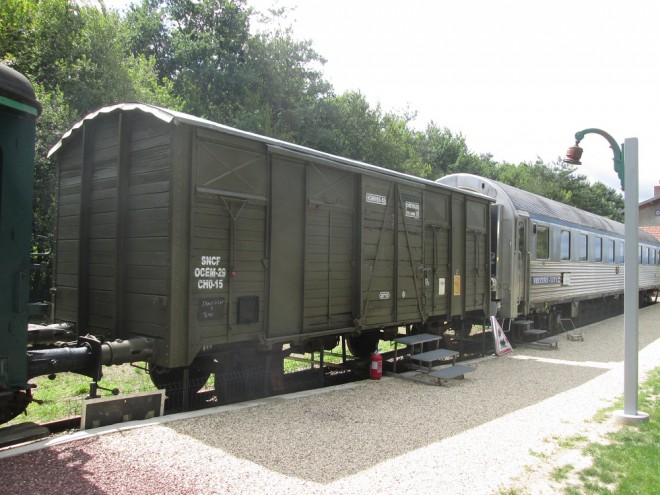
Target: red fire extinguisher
376,371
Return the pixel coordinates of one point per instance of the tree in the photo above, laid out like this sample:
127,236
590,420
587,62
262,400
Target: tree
143,32
198,45
55,118
76,49
560,183
283,82
76,61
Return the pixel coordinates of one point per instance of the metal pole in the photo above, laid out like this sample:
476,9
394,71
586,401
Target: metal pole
630,414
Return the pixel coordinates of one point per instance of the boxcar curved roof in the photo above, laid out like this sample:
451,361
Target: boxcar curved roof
541,207
175,117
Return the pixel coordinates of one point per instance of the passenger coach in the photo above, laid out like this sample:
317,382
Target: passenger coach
546,254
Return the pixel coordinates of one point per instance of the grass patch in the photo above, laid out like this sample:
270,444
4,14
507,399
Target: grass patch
561,473
570,442
511,491
539,455
62,397
628,464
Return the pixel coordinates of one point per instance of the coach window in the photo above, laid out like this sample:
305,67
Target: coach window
598,249
565,252
542,243
621,249
583,247
609,251
645,256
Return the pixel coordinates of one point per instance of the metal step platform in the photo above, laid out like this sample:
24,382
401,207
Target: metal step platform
428,358
456,371
547,343
413,340
535,332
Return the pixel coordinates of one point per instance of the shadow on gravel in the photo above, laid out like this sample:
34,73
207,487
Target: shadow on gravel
326,437
49,471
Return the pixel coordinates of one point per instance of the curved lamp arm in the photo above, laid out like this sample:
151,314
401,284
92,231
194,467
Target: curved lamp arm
618,151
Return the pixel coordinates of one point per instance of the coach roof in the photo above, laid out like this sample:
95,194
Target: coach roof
541,208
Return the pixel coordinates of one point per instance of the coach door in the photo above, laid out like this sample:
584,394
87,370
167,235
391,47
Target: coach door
522,264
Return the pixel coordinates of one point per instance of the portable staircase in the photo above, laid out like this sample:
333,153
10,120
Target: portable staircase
532,337
445,357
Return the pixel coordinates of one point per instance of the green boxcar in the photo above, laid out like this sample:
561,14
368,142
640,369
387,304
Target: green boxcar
18,112
211,240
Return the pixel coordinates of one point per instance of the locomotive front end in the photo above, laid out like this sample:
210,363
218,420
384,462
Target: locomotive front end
19,109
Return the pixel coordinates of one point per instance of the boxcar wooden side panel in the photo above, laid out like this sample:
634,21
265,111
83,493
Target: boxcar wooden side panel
392,253
329,248
145,251
437,252
67,228
377,254
458,235
287,215
409,289
112,235
477,275
227,240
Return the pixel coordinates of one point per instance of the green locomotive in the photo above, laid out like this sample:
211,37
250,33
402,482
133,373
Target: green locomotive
19,110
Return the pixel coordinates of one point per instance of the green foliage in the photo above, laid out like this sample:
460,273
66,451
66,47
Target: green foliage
76,58
283,82
199,56
55,119
63,396
197,45
561,473
77,49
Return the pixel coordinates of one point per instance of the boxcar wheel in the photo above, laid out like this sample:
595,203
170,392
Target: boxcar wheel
171,379
13,404
363,345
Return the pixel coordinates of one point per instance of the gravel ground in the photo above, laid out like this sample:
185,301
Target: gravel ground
497,429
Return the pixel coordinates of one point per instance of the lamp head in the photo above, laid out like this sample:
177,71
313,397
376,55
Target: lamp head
573,155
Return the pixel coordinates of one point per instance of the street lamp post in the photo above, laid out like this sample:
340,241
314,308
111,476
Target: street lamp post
626,166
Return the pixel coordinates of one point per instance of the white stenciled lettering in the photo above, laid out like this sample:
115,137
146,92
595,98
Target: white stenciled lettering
209,274
211,260
210,284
